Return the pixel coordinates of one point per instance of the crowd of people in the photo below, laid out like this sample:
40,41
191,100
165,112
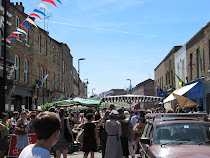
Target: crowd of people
116,132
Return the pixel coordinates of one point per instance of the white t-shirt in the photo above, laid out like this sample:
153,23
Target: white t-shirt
34,152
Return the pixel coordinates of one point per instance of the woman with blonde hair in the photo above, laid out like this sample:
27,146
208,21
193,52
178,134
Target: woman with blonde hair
21,129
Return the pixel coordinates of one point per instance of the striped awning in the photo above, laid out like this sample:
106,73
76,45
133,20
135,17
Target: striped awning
132,98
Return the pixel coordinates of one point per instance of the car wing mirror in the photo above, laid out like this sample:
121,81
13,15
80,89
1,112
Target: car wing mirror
145,141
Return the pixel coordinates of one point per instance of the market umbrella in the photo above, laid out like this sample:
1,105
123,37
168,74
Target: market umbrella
184,102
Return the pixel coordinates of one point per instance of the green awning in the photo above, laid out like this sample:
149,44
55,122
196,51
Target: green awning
87,102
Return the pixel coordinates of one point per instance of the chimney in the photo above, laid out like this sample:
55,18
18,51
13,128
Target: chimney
20,7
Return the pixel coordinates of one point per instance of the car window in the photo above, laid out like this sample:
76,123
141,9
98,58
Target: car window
188,133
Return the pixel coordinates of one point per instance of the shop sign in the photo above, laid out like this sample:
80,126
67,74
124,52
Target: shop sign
13,151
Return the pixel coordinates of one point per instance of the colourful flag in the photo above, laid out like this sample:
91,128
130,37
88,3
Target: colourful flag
181,83
42,81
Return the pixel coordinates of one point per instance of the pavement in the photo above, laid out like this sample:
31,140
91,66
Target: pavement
80,155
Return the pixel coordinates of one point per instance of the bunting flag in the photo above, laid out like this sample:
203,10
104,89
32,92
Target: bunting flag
34,14
24,27
14,36
50,1
16,32
10,38
31,21
25,24
21,31
59,1
181,83
41,5
38,11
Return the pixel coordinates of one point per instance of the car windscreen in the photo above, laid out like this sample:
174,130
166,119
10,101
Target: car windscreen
181,133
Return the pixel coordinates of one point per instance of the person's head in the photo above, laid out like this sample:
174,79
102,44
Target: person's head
111,107
46,126
81,115
15,114
121,112
170,110
90,117
23,114
5,116
32,116
61,112
113,115
127,114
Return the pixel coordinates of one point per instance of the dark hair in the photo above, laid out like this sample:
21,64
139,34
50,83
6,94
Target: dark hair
61,112
120,110
4,114
89,116
15,113
111,107
45,124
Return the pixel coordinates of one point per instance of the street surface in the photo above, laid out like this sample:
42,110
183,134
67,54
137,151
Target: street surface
80,155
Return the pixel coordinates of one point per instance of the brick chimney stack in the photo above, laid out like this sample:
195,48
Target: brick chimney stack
20,7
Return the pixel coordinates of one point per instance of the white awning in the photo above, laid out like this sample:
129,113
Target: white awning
180,91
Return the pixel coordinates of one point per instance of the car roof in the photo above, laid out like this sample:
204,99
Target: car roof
160,117
180,121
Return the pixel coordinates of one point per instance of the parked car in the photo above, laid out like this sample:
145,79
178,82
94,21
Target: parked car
176,136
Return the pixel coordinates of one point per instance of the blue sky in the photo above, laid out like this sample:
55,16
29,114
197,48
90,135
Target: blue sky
121,39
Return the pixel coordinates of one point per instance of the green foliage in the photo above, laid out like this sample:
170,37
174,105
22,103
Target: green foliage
46,106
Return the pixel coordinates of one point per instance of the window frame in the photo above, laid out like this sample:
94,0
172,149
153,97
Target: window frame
25,71
17,68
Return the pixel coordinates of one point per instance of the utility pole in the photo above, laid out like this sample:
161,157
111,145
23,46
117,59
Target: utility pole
5,60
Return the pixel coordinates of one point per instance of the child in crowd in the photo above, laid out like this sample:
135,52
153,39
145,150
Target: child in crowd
47,128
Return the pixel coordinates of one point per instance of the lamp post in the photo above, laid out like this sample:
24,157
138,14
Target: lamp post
92,91
130,85
86,88
79,74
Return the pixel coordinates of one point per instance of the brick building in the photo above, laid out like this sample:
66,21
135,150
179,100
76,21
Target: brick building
36,55
144,88
165,73
198,66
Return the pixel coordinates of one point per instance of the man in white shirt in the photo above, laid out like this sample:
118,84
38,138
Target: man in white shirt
47,129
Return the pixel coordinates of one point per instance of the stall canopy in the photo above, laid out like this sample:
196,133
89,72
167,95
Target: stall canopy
180,92
132,98
184,102
87,102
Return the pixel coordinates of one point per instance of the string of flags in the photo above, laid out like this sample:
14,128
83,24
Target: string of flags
36,13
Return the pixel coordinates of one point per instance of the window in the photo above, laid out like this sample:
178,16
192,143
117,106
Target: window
58,57
46,80
53,81
25,71
63,85
41,73
53,54
63,66
183,70
27,37
17,68
198,63
39,43
57,82
190,64
17,23
45,48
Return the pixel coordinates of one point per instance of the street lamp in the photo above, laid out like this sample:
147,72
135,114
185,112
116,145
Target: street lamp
130,85
86,92
92,91
79,74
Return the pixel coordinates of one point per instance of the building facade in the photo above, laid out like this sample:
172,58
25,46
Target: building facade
165,73
43,67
